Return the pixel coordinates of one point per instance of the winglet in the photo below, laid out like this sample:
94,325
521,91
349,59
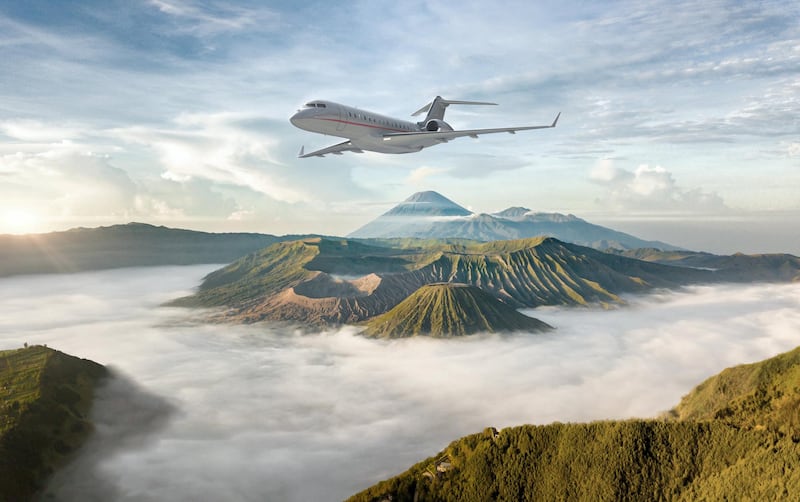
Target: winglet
556,120
302,152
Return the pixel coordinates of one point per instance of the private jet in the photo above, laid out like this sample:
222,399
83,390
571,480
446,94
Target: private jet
368,131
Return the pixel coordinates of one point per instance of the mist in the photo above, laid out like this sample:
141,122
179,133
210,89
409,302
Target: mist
202,411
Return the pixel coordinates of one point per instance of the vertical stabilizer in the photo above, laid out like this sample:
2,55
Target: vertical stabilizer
436,107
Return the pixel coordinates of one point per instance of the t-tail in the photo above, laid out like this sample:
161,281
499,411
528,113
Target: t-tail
436,107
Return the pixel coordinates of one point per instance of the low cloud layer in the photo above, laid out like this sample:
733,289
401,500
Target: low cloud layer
263,413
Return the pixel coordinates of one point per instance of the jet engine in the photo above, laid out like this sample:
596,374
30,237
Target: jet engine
436,125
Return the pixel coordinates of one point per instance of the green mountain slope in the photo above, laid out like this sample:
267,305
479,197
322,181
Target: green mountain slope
760,395
735,437
327,281
445,310
735,268
45,397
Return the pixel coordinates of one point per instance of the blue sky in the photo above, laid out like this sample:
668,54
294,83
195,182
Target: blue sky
679,119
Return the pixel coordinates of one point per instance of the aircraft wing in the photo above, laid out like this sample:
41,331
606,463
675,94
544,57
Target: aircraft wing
346,146
445,136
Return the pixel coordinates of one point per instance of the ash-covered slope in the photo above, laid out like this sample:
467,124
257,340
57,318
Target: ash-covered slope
326,281
447,310
735,437
429,215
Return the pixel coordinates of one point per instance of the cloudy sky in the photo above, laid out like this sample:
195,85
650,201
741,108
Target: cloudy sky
679,119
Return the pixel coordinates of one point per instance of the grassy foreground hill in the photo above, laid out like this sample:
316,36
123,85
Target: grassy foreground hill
446,310
326,281
735,437
45,397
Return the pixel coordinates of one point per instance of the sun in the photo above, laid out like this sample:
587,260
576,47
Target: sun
18,221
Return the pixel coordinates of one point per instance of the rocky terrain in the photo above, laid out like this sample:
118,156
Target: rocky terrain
335,281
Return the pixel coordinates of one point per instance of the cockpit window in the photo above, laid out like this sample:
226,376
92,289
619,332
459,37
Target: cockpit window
316,105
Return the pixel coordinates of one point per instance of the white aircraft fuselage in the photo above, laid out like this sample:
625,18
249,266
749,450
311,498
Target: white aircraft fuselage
365,130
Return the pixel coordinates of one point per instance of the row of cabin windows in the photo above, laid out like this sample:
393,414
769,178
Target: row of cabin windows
384,122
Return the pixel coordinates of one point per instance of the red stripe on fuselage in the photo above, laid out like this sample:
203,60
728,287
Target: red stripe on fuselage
365,125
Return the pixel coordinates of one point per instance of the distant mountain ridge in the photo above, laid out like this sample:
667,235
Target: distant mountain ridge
430,215
737,267
129,245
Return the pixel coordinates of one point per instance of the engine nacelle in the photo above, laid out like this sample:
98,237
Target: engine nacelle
436,125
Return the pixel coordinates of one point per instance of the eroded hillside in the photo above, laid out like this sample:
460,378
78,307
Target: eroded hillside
326,281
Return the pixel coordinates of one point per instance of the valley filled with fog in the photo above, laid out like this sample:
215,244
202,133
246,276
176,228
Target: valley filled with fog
262,412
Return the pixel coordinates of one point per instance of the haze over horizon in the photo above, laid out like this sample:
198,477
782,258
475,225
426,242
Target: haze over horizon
679,120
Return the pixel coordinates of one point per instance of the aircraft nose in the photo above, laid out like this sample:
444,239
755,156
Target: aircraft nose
300,119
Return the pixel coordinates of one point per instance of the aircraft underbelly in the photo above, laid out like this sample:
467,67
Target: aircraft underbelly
377,144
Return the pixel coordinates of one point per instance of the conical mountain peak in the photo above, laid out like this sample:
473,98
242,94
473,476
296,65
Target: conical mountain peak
428,203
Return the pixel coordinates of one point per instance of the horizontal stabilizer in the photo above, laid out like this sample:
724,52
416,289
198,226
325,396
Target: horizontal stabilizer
436,107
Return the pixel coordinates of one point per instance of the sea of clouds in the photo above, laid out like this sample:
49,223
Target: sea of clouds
218,412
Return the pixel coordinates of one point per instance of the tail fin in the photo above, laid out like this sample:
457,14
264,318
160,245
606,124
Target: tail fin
436,107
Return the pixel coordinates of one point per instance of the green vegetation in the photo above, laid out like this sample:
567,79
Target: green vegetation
764,395
322,281
735,268
445,310
45,397
735,437
261,274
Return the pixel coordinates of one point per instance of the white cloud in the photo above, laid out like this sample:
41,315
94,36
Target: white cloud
37,132
211,18
650,189
420,175
216,147
259,410
67,183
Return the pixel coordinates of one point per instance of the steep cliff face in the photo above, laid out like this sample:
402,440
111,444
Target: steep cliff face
45,397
